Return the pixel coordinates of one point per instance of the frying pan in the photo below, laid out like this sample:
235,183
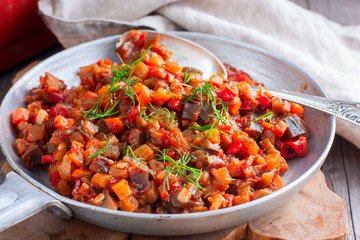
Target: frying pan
26,192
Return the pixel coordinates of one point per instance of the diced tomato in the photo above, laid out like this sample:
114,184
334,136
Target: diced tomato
56,111
175,104
56,97
285,149
140,42
299,146
245,104
165,139
102,62
76,147
48,159
227,94
20,114
133,114
234,147
264,102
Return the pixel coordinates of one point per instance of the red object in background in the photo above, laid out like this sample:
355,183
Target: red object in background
22,32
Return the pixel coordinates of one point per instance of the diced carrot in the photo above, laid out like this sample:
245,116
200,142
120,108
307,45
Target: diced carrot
216,80
144,97
172,67
278,182
234,168
221,178
122,189
141,70
64,123
138,88
76,158
266,125
159,72
20,114
296,109
76,146
78,173
100,180
161,96
273,161
280,128
115,125
234,108
156,60
213,135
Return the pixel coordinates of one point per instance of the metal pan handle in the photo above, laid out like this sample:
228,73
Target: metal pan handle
20,200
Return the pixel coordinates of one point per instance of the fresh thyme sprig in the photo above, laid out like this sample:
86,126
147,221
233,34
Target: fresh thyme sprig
178,167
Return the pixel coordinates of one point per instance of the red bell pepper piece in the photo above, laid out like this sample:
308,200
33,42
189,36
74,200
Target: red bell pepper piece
48,158
299,146
264,102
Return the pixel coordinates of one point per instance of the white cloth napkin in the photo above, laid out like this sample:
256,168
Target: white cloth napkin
330,53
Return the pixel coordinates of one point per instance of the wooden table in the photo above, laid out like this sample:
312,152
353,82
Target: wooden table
341,168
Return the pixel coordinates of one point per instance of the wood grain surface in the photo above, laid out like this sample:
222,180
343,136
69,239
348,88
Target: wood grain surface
341,168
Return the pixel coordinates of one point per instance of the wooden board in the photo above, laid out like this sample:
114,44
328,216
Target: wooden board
314,213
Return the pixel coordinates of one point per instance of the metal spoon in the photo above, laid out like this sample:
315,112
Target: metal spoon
190,54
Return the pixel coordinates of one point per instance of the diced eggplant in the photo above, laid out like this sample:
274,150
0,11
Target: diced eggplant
50,148
140,180
296,127
136,136
205,113
99,164
32,156
268,134
254,130
191,111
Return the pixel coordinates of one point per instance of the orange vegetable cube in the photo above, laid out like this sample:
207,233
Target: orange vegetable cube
100,180
245,89
216,80
78,173
161,96
141,70
20,114
129,204
122,189
296,109
52,83
273,161
216,201
173,68
222,178
144,97
234,108
115,125
212,135
280,128
155,60
61,122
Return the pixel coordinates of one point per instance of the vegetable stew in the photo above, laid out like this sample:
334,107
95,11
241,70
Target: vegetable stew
152,136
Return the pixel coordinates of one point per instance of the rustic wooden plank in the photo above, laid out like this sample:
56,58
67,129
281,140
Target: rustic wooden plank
345,12
351,156
336,179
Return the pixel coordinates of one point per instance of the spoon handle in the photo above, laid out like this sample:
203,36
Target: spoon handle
349,111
